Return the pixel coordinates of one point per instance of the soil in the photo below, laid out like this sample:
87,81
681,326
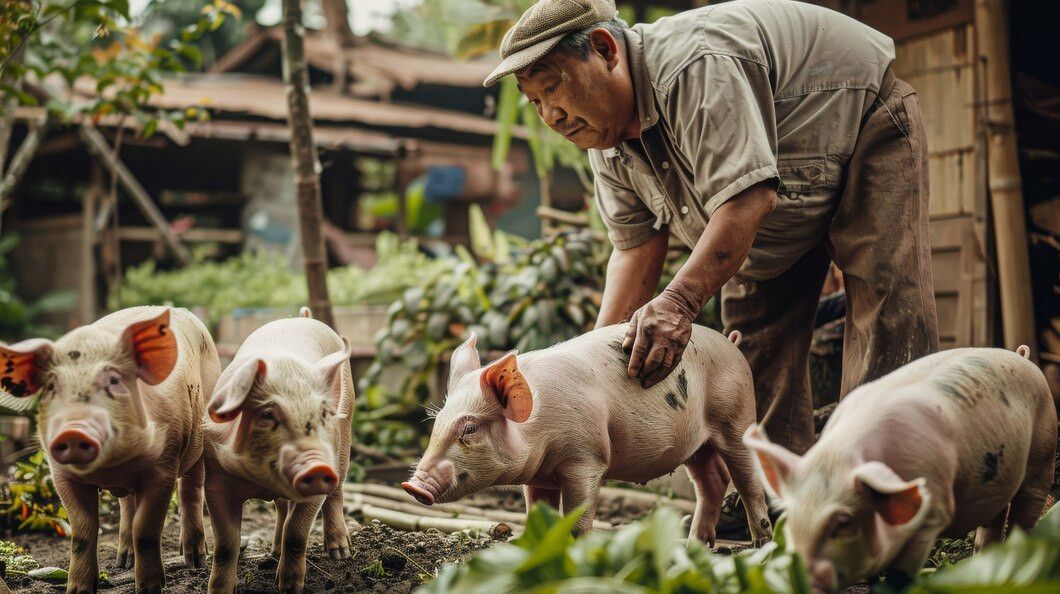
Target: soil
383,559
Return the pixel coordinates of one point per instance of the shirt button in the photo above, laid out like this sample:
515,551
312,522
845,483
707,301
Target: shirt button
665,164
684,210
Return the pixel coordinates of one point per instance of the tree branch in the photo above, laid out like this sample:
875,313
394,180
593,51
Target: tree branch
20,162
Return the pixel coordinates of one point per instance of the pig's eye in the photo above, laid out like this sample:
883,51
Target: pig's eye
114,381
470,428
266,419
844,526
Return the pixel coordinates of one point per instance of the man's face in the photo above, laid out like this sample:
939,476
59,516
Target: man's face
589,101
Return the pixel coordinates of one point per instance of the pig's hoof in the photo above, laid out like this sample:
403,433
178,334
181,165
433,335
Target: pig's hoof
289,586
153,589
340,552
81,589
125,559
195,559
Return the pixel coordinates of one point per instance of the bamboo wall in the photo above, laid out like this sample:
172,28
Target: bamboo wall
941,66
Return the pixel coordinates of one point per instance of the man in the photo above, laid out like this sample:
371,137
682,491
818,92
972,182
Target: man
769,136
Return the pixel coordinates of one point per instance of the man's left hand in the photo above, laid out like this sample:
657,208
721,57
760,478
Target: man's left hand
657,336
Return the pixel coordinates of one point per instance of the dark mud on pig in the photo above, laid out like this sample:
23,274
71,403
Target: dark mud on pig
383,560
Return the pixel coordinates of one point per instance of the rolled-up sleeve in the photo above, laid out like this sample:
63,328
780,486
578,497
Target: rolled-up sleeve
629,221
722,111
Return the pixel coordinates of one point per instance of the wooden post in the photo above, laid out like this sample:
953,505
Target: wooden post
99,147
306,162
1003,177
86,299
401,186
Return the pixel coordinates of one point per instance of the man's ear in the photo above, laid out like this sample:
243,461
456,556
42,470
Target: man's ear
503,380
603,43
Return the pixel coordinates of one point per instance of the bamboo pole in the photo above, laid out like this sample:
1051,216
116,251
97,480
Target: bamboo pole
306,161
403,521
1003,177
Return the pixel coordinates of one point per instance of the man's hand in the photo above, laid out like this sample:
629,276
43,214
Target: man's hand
657,336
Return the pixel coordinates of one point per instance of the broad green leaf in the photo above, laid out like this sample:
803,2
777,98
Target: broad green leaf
507,114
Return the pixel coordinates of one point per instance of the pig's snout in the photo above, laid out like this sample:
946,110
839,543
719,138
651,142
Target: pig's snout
318,479
418,490
74,446
823,577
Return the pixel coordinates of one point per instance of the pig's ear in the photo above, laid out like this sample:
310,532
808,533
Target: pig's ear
22,365
465,360
776,464
896,501
503,380
330,368
228,398
154,346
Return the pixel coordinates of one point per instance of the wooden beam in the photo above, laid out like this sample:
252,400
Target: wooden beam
98,146
150,234
1003,177
563,216
86,299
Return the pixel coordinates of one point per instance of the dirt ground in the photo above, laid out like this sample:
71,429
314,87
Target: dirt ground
383,560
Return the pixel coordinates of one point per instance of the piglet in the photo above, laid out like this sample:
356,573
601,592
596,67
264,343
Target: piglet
282,412
560,421
121,407
953,441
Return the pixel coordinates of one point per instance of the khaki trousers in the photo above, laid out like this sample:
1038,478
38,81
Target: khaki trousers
880,239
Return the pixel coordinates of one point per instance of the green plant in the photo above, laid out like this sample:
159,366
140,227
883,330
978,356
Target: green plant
648,556
29,501
514,297
263,280
17,317
15,560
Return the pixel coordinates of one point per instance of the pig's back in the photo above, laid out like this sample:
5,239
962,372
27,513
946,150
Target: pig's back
650,432
303,338
981,406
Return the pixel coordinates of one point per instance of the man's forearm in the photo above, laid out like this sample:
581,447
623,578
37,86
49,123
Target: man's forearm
632,276
722,248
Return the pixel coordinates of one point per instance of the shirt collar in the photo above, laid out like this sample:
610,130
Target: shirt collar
642,88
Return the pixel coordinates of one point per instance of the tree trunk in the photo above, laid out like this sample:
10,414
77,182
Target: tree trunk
306,162
1003,178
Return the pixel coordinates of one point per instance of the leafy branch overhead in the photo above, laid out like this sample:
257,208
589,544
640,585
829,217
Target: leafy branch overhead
44,43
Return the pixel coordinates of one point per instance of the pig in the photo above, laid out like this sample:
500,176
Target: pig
950,442
281,431
121,406
560,421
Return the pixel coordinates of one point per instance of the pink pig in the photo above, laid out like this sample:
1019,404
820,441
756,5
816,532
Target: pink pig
121,407
953,441
282,412
563,420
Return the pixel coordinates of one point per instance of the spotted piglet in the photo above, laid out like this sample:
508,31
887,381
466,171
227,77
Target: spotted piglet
122,402
953,441
563,420
281,431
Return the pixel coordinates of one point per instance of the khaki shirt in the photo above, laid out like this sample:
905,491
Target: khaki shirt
732,95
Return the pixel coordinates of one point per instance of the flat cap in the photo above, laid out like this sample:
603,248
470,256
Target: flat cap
541,27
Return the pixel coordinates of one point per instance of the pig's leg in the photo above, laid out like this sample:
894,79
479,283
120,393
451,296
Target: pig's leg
740,465
281,517
912,556
192,533
151,506
580,484
534,494
993,532
710,478
226,515
336,537
82,507
125,558
290,574
1029,501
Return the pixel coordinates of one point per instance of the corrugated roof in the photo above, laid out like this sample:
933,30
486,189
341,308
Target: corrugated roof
266,97
406,67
